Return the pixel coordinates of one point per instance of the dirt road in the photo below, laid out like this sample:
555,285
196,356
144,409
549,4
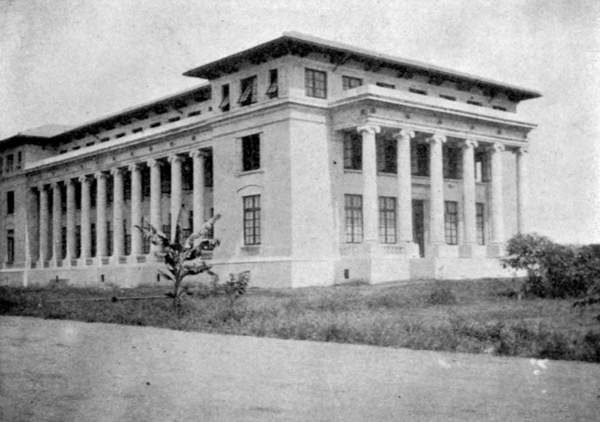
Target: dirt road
73,371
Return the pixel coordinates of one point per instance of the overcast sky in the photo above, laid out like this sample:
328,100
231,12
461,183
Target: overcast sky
70,61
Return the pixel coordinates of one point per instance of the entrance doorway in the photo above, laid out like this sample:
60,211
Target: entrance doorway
419,225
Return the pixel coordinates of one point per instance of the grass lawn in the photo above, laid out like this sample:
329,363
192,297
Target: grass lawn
467,316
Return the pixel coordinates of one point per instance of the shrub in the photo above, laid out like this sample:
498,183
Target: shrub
553,270
441,295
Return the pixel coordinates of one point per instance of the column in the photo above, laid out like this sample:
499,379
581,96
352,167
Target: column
86,228
436,198
404,201
70,220
521,188
155,194
175,161
101,249
136,209
56,225
468,173
198,195
369,171
43,226
497,200
118,235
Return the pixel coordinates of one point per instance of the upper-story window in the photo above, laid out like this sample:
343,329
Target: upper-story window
19,160
499,108
224,106
273,90
315,82
447,97
1,166
452,161
417,91
248,91
251,152
10,246
475,103
385,85
386,155
10,202
349,82
10,163
352,151
419,159
482,167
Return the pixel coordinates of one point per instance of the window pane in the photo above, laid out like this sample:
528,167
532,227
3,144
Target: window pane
352,151
353,218
251,220
451,222
315,83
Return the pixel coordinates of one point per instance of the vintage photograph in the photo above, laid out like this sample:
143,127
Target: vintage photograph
299,210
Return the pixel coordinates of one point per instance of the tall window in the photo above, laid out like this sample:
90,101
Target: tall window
452,161
109,238
145,182
349,82
387,155
10,202
10,246
208,170
1,165
248,91
19,160
251,152
93,193
187,175
165,181
93,239
77,189
127,186
251,220
9,163
482,167
480,222
77,241
352,151
224,106
385,85
127,235
419,159
273,90
109,189
451,222
63,242
354,218
387,219
315,83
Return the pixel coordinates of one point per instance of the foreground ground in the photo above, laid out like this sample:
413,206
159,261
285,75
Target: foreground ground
482,316
73,371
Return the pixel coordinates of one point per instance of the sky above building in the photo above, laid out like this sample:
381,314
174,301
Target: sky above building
69,61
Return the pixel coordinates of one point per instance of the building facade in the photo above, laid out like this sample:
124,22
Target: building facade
328,163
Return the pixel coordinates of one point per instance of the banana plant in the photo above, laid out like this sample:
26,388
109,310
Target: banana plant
182,257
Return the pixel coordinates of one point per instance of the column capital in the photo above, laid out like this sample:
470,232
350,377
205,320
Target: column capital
100,175
197,153
55,184
497,147
522,150
404,134
437,137
41,186
154,162
470,144
116,171
175,158
134,166
83,178
372,129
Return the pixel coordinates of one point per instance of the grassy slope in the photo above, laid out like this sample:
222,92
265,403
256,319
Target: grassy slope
461,316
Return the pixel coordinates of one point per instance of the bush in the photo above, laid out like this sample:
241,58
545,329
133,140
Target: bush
553,270
441,295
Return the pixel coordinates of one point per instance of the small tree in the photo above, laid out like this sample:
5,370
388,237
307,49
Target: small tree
182,257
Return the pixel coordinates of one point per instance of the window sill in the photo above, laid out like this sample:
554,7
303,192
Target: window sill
353,171
250,249
249,172
387,174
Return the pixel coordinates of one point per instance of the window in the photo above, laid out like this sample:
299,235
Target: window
63,198
77,241
273,90
187,176
105,139
475,103
451,222
208,170
352,151
224,106
19,160
419,159
348,82
109,238
137,130
118,135
315,83
109,190
127,186
385,85
1,166
145,182
417,91
251,152
77,187
93,193
448,97
91,144
251,220
10,202
165,182
93,239
499,108
174,119
127,236
480,222
9,163
10,246
63,242
75,148
155,124
452,161
194,113
248,90
386,155
387,219
482,167
354,218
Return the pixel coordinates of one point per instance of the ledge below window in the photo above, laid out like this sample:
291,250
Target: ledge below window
249,172
250,249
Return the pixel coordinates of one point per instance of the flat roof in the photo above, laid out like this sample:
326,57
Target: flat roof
302,44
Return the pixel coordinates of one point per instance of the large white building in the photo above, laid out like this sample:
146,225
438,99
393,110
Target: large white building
327,163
